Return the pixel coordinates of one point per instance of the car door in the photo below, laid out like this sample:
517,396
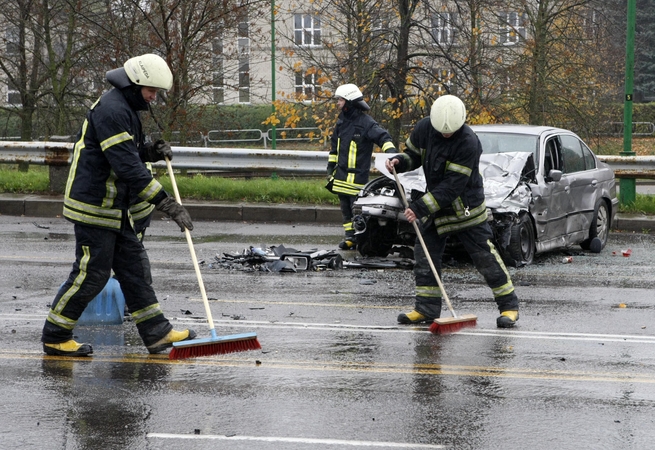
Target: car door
579,168
553,203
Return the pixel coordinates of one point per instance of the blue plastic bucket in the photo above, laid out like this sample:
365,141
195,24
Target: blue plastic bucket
107,308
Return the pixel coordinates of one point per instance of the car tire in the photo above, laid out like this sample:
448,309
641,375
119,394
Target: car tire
376,240
521,248
600,226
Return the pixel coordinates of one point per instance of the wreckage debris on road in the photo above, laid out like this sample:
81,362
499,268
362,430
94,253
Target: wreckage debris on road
284,259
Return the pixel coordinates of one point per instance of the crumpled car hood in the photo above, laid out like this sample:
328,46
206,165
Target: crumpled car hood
503,189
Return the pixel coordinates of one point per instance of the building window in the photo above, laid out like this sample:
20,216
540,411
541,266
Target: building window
306,86
442,81
218,77
307,30
244,62
13,94
13,49
512,27
591,23
443,29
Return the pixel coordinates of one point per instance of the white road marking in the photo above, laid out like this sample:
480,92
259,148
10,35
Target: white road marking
513,333
340,442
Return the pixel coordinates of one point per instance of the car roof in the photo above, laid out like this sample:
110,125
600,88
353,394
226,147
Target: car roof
535,130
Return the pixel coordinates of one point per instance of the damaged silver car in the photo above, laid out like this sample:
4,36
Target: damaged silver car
544,188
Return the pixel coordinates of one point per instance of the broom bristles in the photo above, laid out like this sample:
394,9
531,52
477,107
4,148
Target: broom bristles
214,346
453,324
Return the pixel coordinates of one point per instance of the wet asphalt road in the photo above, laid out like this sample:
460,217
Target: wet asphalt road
335,371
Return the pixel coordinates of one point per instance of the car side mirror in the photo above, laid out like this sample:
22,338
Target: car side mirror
554,175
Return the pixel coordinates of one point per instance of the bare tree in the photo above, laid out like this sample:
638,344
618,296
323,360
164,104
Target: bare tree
21,64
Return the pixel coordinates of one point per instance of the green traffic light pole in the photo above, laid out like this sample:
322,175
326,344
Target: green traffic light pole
627,186
273,134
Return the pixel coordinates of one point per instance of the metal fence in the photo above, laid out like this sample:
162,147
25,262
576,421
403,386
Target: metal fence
638,128
251,137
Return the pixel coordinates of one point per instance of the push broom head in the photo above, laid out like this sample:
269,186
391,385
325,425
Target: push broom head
453,324
217,345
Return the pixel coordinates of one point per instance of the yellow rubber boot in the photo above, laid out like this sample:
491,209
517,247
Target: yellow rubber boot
507,319
167,341
347,244
413,317
68,348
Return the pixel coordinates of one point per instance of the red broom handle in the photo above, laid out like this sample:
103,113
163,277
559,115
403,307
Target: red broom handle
425,247
210,319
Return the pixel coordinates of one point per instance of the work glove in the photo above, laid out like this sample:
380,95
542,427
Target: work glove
157,150
176,212
330,171
388,164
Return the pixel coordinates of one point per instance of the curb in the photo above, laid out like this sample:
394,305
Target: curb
51,206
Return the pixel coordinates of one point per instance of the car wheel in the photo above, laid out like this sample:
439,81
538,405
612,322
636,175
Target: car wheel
600,226
521,246
376,240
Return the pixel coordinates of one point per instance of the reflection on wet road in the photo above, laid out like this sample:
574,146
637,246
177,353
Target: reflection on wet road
335,370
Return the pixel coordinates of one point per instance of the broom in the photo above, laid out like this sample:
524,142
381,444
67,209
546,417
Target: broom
214,345
446,324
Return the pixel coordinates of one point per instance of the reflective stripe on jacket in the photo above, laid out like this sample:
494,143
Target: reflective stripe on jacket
106,165
454,197
352,141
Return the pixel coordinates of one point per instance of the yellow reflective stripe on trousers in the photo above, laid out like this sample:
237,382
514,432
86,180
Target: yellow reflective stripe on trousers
508,287
146,313
54,315
348,226
116,139
428,291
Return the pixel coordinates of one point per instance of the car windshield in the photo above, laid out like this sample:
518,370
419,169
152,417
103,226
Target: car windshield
508,142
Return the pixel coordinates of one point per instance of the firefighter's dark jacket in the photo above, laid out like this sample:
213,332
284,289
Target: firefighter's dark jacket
454,197
107,165
352,142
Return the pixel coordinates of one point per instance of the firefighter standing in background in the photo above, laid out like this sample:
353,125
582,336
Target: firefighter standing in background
453,204
106,174
349,161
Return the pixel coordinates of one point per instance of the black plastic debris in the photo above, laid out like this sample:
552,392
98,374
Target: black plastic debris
286,259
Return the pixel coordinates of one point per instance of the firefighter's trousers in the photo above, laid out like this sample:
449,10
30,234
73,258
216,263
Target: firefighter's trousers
477,242
99,251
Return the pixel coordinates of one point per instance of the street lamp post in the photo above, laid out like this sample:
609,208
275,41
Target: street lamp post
273,131
627,186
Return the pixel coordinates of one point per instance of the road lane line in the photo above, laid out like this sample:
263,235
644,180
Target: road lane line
353,367
291,440
480,332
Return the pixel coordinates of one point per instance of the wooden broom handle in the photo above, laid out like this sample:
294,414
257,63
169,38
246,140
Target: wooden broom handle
425,247
210,319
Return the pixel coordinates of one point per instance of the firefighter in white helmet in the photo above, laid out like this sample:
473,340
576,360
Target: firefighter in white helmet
108,171
453,204
349,161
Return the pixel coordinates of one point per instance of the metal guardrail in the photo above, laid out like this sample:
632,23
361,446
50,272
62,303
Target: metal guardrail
253,160
638,128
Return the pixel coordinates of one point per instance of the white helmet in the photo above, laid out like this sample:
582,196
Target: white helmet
448,114
149,70
351,93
